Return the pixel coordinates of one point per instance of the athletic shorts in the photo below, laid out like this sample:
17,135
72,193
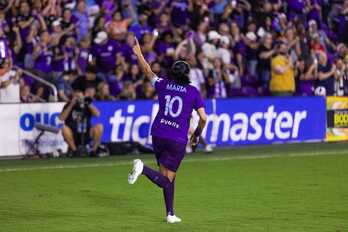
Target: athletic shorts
168,152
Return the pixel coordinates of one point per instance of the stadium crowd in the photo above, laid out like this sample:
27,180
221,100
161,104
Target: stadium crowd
234,47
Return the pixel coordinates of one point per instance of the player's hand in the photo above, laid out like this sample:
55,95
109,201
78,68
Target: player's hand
194,142
136,47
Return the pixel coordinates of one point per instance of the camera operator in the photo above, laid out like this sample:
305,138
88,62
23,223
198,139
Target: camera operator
78,131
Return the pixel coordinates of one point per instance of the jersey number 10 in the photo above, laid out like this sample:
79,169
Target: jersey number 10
170,101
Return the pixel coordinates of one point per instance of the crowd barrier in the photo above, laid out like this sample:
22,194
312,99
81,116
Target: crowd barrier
230,122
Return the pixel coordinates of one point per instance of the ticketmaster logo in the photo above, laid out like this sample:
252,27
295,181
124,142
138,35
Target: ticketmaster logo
240,126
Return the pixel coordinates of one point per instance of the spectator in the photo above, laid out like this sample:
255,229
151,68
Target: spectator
103,93
282,78
104,52
217,78
251,52
326,74
341,78
117,28
87,82
128,91
65,90
84,55
265,54
26,96
306,75
43,56
81,16
50,37
210,49
9,87
196,75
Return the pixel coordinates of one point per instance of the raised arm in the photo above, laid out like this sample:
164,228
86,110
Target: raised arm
144,66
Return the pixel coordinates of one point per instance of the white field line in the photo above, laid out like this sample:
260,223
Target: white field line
190,160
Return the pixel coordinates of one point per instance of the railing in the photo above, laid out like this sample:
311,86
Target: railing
44,82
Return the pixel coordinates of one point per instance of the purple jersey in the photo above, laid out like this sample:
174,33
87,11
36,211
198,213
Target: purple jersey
105,55
176,103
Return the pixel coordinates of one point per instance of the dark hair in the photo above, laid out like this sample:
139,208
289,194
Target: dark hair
179,72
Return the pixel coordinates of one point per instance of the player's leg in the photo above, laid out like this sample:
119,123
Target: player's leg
168,192
68,136
96,134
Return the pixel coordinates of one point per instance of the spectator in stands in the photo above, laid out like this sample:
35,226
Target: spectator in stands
251,52
282,79
82,19
217,79
50,37
326,74
9,87
146,90
26,96
341,78
88,82
43,56
117,27
306,75
104,52
265,54
64,87
196,75
103,93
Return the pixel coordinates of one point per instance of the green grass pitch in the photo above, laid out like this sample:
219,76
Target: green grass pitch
279,188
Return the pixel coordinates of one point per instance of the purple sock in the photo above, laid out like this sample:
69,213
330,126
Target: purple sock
164,183
156,177
169,198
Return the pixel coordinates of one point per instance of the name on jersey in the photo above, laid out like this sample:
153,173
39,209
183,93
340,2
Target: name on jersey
169,123
177,88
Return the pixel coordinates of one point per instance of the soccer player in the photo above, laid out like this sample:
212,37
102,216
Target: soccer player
177,98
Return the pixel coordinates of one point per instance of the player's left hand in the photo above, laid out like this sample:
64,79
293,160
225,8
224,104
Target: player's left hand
194,140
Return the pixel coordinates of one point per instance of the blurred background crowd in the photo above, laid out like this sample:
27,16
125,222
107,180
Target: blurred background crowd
234,47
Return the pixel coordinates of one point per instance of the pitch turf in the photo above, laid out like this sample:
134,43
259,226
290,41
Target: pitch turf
269,188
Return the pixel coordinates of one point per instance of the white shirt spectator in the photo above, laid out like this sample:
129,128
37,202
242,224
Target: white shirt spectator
223,52
210,51
10,93
197,78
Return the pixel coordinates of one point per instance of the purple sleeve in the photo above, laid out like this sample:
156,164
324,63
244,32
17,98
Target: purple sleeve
198,103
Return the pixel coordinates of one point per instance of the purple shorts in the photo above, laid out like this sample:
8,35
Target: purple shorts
168,152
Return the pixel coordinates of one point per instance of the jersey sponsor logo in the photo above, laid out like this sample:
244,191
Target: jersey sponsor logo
169,123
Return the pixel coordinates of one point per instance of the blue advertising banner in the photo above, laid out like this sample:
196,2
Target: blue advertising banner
230,121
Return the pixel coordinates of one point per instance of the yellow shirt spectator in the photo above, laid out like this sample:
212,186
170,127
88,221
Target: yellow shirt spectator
282,79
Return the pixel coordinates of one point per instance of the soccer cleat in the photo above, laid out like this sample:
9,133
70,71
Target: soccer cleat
138,166
208,149
173,219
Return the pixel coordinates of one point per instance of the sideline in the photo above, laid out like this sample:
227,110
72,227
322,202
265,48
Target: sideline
188,160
